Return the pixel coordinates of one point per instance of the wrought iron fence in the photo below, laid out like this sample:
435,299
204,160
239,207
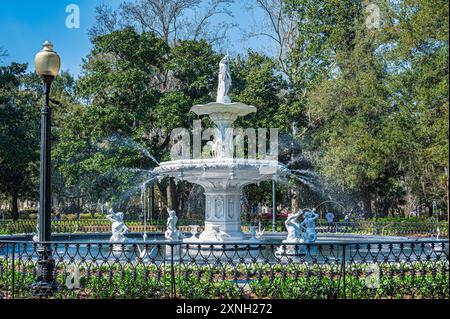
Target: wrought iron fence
416,229
385,228
370,227
84,226
412,269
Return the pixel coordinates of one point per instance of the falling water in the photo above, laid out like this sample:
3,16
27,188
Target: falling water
305,180
123,141
306,172
144,206
333,202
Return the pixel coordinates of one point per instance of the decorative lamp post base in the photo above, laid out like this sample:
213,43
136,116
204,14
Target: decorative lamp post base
45,285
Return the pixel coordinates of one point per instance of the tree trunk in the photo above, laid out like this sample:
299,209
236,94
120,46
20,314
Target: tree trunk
367,201
294,200
181,205
448,199
78,209
15,207
169,194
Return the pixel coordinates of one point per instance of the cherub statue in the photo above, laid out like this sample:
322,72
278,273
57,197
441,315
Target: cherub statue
172,233
118,227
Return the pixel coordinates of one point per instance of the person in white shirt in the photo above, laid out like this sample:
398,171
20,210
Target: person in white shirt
347,217
346,220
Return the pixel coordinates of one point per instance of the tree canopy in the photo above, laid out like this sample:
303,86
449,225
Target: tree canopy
360,101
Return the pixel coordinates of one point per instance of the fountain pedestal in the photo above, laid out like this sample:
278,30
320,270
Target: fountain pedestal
222,216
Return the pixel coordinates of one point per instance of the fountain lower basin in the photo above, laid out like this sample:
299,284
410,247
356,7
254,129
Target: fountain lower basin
222,180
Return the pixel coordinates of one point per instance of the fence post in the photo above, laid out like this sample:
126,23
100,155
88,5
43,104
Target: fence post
343,272
172,273
13,271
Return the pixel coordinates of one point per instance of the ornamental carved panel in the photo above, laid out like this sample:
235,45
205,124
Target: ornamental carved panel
218,209
230,208
208,207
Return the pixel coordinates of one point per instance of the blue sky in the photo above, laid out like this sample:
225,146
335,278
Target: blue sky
25,24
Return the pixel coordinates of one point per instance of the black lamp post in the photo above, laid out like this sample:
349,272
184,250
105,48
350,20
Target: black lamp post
47,64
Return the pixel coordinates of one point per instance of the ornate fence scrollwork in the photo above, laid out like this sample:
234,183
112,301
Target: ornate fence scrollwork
410,269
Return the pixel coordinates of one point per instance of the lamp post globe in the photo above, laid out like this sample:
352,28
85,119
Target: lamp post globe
47,64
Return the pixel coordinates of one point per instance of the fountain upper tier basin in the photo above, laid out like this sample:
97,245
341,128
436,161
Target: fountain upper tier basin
235,108
223,114
223,172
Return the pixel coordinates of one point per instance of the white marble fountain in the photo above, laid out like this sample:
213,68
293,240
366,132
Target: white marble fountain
223,176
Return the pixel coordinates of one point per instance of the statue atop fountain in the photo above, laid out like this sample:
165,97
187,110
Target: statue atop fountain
118,227
224,81
172,233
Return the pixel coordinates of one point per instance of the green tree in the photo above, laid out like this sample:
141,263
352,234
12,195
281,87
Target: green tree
379,117
19,137
256,81
135,91
350,109
419,58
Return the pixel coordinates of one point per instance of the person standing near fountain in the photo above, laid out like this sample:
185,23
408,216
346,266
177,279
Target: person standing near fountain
330,220
346,220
